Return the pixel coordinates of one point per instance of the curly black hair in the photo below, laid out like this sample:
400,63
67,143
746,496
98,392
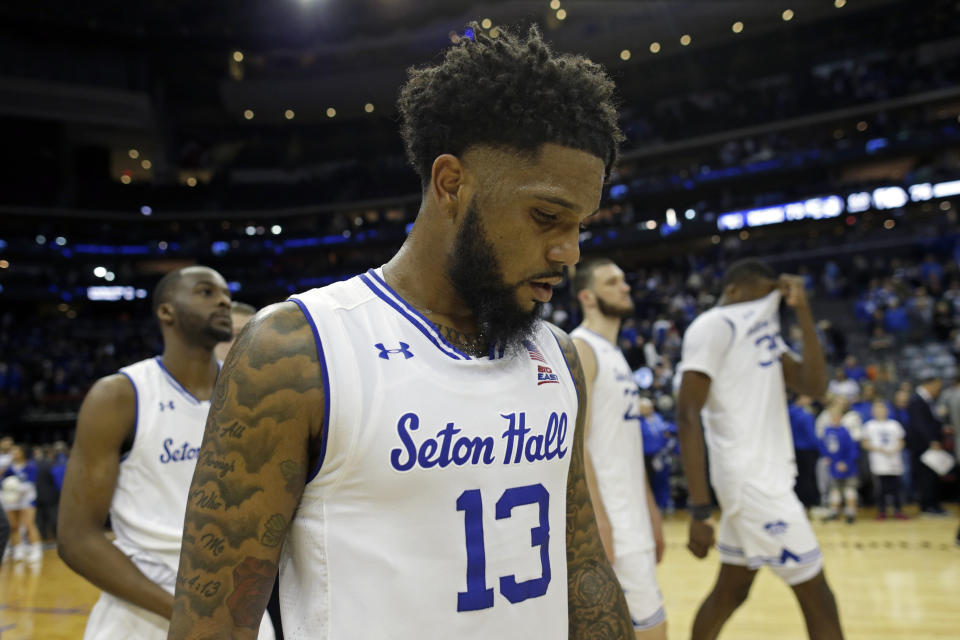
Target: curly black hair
507,92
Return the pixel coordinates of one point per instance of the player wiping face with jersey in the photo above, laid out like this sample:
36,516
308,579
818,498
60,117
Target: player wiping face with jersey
735,371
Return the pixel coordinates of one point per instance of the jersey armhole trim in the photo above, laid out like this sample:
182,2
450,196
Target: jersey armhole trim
596,357
136,414
573,379
733,331
324,430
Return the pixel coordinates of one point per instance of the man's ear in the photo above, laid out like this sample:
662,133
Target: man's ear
587,298
166,314
446,179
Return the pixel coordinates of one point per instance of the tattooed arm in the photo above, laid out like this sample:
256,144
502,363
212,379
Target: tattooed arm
597,607
261,434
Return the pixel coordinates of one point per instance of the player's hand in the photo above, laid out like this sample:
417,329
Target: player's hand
793,290
936,446
701,537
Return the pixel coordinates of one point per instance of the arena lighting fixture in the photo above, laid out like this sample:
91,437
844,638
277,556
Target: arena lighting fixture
495,32
561,14
251,230
737,27
100,271
276,229
4,264
625,55
368,107
787,15
133,153
651,224
654,47
486,23
685,39
690,214
146,210
110,276
41,239
61,241
248,114
862,126
554,4
125,179
671,217
839,4
289,114
238,56
191,181
331,112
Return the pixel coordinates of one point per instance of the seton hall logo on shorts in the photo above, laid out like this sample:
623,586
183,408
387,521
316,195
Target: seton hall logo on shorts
545,374
777,528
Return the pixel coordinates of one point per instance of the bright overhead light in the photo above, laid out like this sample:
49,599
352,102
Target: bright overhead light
685,39
486,23
625,55
125,179
248,114
191,181
839,4
737,27
146,210
146,164
495,32
238,56
288,114
554,4
109,276
561,14
654,47
133,153
331,112
368,107
276,229
787,15
100,272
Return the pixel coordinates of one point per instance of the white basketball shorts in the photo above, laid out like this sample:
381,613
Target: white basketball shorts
771,530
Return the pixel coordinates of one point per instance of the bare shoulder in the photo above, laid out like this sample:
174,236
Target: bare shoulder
114,391
108,412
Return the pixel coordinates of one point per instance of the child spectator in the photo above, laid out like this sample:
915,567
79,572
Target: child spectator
883,438
842,452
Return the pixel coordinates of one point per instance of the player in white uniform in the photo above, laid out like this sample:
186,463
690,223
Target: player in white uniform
623,501
240,314
138,435
407,445
736,367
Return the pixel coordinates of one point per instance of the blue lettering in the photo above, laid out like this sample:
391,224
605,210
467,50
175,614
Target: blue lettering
427,449
549,437
411,421
166,456
483,446
561,434
535,448
446,436
515,431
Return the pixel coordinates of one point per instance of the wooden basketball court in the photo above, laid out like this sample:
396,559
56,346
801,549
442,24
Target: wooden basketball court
893,580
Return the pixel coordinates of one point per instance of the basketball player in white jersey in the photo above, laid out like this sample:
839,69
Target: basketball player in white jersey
138,434
621,494
736,367
407,445
240,315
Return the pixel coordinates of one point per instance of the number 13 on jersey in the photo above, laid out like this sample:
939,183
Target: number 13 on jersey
478,595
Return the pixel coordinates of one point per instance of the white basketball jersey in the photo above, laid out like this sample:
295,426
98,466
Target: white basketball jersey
150,499
615,446
745,417
438,508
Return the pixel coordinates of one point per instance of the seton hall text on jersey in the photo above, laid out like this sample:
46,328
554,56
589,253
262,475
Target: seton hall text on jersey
179,453
519,443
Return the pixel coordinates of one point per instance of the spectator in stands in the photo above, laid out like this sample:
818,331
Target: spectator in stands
656,452
19,497
853,369
943,321
864,404
842,451
925,431
895,318
884,439
843,386
807,450
48,496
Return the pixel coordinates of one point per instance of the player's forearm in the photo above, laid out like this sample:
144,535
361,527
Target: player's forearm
813,369
93,556
694,457
603,521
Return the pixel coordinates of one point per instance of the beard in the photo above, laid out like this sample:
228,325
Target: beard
201,330
476,275
613,311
